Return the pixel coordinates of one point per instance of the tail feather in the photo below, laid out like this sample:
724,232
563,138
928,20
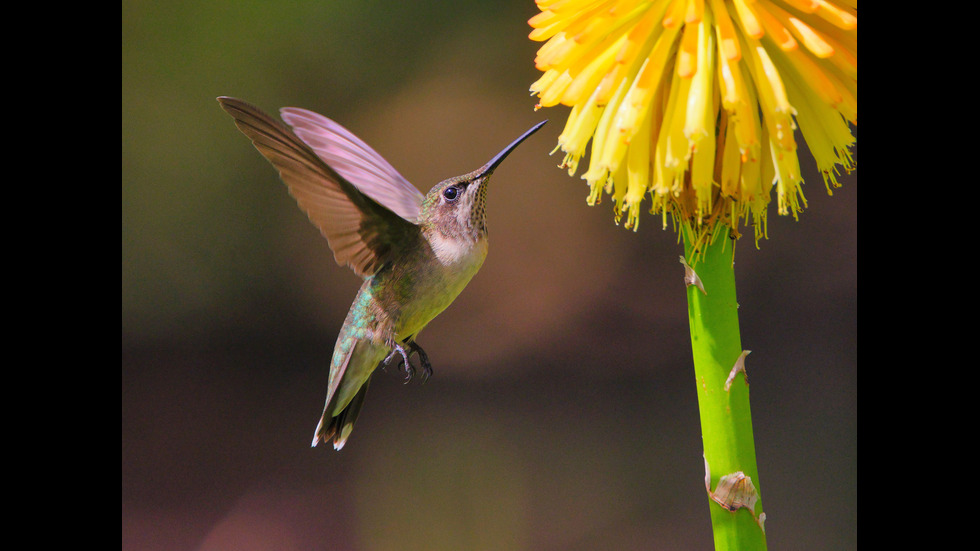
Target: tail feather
340,426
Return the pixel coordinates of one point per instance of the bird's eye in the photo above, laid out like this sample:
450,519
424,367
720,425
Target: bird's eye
450,193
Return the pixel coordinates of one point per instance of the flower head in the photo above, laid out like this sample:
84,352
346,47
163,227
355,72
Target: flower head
696,102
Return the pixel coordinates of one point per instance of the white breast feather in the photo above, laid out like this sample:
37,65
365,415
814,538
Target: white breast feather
454,251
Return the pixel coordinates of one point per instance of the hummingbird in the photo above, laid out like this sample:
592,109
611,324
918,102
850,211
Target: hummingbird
414,252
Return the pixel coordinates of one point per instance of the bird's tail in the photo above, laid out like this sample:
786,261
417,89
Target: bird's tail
340,426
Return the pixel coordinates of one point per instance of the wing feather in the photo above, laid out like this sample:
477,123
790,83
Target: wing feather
356,161
362,231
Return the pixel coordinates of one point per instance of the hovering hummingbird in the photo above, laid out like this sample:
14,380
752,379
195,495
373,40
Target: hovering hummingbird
416,253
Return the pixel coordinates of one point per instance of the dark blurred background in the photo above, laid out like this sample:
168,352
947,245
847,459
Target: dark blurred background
562,414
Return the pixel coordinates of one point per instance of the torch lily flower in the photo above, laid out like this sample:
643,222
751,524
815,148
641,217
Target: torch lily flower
697,102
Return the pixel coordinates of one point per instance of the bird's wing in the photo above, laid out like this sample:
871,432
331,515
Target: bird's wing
363,231
356,161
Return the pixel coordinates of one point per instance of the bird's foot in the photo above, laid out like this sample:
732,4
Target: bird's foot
409,370
413,347
405,359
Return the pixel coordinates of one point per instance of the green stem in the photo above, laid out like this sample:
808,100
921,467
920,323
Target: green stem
726,421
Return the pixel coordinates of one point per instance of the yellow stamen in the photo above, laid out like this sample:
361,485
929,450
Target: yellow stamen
813,75
589,77
805,6
638,171
774,29
546,24
678,152
788,180
687,55
675,14
647,82
695,10
810,38
751,25
598,168
730,159
544,82
639,34
835,15
777,111
700,119
727,41
552,95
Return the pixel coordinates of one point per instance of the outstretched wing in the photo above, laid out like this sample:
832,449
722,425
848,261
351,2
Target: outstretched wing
362,232
355,161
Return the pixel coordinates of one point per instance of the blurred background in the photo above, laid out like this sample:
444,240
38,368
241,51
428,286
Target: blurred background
562,414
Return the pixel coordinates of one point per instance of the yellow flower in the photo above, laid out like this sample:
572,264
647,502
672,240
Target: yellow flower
696,102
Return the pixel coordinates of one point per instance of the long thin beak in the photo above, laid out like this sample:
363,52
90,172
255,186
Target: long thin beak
488,168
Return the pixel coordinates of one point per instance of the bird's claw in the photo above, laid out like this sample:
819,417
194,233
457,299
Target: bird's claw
413,348
423,360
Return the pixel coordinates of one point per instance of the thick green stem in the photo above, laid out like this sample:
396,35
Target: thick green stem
726,421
